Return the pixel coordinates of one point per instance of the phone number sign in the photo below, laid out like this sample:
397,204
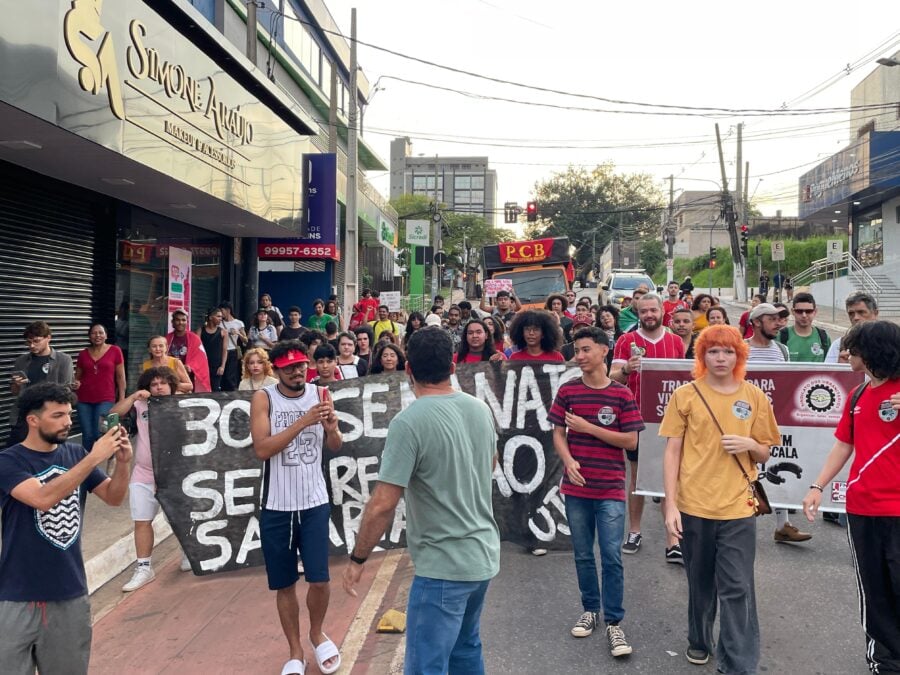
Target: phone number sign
286,249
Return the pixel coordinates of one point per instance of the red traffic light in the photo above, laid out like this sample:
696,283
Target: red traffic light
531,210
712,264
745,229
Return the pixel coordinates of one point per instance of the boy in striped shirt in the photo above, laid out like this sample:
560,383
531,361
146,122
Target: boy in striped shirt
594,418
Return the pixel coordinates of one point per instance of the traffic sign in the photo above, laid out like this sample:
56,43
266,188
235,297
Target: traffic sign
440,258
777,251
835,248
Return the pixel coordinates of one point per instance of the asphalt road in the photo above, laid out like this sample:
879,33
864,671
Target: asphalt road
806,597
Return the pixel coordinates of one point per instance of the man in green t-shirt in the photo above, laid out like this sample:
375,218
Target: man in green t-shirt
805,342
319,318
441,451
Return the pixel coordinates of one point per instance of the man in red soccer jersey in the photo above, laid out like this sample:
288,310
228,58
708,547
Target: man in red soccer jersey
594,418
672,303
650,341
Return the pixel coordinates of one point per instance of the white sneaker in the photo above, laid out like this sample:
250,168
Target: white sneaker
143,575
185,563
538,551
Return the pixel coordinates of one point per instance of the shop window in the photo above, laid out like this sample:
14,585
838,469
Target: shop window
869,239
142,278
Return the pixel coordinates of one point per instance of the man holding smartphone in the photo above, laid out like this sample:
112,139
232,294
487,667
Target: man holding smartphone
41,363
45,614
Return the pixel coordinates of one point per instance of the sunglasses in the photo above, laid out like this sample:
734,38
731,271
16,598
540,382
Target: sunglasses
804,311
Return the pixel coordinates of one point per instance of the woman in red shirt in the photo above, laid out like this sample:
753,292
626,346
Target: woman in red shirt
477,345
536,335
99,382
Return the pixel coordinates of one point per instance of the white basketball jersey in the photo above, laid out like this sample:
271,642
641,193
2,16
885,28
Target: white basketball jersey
293,479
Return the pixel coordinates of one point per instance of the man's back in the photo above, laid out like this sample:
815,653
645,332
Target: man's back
441,449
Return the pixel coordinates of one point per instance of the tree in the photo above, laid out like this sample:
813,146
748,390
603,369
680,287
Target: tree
652,256
594,206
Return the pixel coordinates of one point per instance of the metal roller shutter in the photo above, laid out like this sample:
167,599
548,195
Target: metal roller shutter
47,267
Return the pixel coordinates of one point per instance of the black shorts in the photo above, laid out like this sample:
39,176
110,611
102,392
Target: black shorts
632,455
285,534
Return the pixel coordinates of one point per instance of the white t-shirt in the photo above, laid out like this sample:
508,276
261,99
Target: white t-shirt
232,339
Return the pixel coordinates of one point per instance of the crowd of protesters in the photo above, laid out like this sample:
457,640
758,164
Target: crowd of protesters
708,510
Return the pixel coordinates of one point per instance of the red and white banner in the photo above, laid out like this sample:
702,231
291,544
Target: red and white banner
808,400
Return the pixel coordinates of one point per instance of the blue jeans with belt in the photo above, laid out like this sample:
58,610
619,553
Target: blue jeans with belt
89,415
606,518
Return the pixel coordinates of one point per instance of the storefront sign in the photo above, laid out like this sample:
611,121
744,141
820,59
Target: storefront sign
387,234
320,216
179,282
808,399
837,178
418,232
120,75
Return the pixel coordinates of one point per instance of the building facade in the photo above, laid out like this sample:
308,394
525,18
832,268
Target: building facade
143,158
699,225
462,184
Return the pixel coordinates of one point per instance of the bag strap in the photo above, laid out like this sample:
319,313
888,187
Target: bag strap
719,427
854,399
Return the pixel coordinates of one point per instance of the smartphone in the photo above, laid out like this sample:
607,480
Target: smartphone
21,374
107,422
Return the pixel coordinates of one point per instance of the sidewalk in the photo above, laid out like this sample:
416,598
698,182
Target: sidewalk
227,623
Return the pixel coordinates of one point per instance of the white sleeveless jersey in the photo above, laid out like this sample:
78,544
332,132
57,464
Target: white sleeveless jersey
292,479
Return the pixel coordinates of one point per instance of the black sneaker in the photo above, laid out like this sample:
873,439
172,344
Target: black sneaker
586,625
673,555
618,645
633,543
697,656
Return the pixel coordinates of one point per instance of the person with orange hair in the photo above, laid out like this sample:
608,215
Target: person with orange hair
709,507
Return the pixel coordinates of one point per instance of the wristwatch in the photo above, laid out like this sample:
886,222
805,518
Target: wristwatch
358,561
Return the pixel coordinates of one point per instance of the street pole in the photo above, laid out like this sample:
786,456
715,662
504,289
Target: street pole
351,251
670,233
435,235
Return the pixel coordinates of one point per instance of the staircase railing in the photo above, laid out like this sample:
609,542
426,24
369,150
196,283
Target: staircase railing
822,269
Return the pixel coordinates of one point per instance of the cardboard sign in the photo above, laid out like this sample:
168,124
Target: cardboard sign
391,299
494,286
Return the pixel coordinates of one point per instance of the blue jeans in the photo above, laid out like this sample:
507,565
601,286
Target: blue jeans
89,415
607,518
442,624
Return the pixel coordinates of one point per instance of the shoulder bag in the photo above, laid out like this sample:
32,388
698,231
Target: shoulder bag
757,499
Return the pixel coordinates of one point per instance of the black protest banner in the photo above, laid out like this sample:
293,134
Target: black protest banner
208,478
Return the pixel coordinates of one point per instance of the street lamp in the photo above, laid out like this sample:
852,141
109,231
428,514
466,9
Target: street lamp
889,62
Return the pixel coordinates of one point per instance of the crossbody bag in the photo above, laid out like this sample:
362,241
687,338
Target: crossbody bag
757,495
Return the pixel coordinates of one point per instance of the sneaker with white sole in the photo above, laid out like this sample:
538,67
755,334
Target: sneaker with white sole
538,551
633,543
586,624
185,563
674,555
142,576
618,645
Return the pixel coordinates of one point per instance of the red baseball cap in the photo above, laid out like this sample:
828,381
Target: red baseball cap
293,356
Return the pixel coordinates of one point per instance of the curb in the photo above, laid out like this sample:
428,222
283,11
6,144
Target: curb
108,564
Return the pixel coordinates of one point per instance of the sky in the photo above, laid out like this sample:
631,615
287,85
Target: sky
759,55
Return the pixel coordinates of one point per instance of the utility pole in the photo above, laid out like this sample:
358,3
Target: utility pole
436,234
740,277
669,233
351,247
728,209
251,31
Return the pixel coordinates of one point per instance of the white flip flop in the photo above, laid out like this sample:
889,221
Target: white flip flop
294,667
327,650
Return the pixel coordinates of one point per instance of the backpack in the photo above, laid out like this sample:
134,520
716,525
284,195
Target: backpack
823,337
782,347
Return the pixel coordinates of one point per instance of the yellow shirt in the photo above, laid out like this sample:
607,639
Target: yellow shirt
379,326
700,322
710,484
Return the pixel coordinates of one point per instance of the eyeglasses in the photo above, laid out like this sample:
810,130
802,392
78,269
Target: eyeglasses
294,368
804,311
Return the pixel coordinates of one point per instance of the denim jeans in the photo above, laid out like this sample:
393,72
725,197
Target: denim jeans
442,624
89,415
606,517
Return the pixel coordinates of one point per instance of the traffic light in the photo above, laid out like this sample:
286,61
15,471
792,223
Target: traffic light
745,240
531,211
712,263
712,257
510,213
